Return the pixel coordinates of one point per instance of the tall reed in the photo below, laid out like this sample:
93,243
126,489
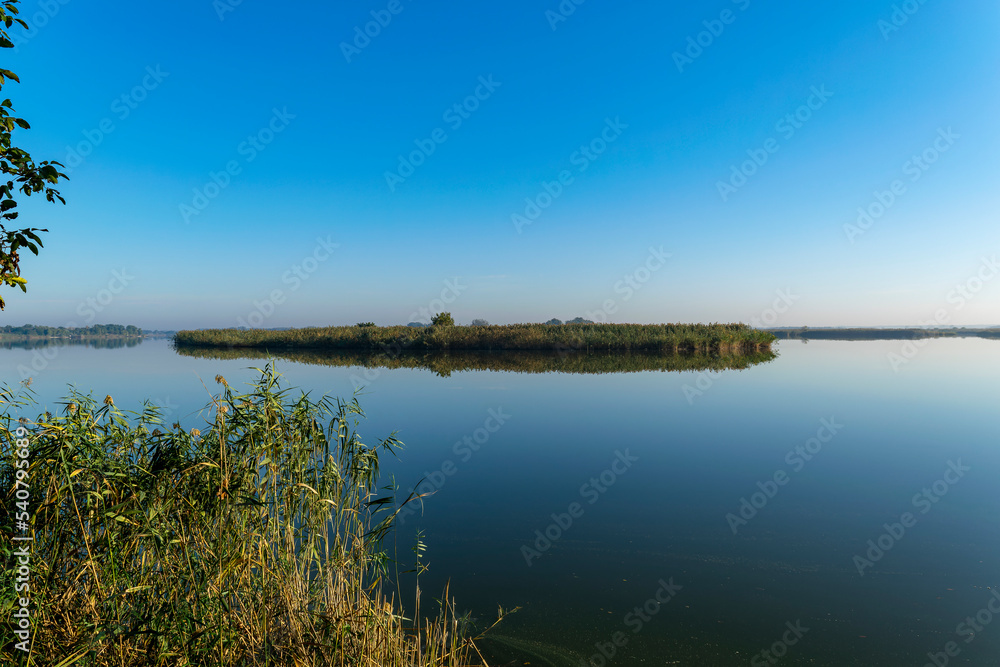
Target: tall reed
257,541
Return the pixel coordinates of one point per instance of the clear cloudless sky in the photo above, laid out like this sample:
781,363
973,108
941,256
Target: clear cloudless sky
147,237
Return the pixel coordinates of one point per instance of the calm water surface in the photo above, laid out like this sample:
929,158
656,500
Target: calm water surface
920,444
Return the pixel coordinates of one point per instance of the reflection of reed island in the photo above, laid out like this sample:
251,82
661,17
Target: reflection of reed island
445,363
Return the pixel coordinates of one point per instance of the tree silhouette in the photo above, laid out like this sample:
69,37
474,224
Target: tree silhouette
25,176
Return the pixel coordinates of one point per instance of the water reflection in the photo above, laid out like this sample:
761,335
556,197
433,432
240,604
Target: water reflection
667,516
445,363
39,343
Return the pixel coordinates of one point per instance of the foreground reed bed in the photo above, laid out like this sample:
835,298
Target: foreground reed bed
672,338
259,540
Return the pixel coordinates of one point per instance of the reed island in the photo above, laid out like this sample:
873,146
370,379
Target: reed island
443,334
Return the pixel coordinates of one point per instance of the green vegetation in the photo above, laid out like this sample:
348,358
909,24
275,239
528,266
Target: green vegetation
96,331
672,338
446,363
24,174
443,320
257,540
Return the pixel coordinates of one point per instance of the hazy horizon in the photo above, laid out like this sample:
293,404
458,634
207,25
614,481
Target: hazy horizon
468,323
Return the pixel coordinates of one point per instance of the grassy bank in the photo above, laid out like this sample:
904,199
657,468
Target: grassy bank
560,338
257,540
446,363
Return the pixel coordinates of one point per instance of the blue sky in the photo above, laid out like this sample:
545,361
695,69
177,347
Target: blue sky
644,109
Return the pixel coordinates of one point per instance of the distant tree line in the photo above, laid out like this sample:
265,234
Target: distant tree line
899,333
484,323
576,320
37,331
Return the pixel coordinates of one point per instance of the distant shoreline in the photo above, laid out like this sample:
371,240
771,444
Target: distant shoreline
672,338
40,332
901,333
20,337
